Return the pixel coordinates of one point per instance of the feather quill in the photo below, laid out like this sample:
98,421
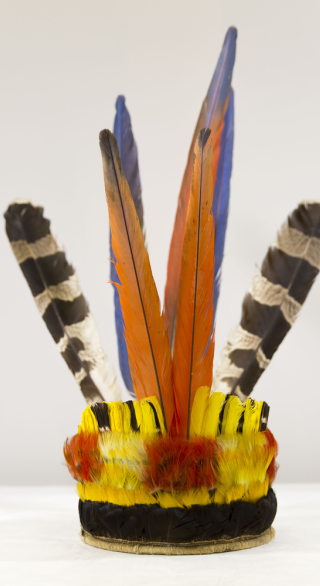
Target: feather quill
129,159
62,306
147,341
211,116
273,302
194,345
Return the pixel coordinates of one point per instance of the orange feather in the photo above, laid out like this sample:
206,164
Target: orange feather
211,116
147,340
193,345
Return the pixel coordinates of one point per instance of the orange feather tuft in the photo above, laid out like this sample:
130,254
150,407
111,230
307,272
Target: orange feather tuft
83,457
194,345
147,340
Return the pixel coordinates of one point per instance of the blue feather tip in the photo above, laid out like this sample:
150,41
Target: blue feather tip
129,159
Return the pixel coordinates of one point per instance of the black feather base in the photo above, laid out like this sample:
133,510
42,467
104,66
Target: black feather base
198,524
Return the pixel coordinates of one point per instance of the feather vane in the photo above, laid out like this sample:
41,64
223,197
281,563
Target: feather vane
147,341
273,302
211,116
220,206
129,160
194,344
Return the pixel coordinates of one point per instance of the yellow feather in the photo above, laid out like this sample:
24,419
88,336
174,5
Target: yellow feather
88,422
241,462
138,412
148,418
252,416
115,416
126,419
211,416
138,496
232,413
199,407
118,496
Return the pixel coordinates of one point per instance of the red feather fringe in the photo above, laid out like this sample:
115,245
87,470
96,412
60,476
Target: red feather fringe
179,464
83,457
273,468
173,464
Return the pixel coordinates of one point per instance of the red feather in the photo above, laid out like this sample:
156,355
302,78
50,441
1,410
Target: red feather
83,457
272,445
177,464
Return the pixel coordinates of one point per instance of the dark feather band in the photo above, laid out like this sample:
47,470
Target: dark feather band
178,525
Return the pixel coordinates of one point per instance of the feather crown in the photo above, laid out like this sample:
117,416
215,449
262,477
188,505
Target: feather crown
186,437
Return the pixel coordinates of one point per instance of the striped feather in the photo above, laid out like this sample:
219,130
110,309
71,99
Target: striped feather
273,302
129,160
193,352
62,306
211,116
147,341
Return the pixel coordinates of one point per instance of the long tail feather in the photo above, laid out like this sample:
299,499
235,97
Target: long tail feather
221,198
194,344
211,116
129,160
147,341
63,308
272,305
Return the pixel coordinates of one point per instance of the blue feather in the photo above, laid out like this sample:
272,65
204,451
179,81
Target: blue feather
220,206
220,84
128,154
129,160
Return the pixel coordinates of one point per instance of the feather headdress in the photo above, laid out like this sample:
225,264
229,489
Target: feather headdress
189,438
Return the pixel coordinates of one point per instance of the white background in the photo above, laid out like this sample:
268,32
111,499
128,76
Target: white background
63,63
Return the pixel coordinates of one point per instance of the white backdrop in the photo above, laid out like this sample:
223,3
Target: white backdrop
63,63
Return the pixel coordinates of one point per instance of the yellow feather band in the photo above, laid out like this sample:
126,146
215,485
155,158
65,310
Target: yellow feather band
240,470
116,459
205,416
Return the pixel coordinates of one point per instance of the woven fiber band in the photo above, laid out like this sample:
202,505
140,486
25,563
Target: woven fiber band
194,548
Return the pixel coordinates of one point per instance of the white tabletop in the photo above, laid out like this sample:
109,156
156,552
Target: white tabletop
39,544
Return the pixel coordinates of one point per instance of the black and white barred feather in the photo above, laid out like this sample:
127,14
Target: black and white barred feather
62,306
273,302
